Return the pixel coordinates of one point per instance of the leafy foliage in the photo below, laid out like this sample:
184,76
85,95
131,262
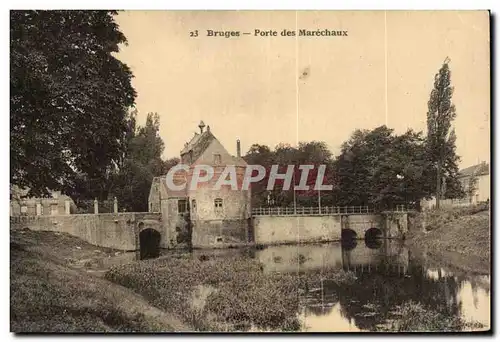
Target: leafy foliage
375,168
141,162
313,153
380,169
441,137
69,97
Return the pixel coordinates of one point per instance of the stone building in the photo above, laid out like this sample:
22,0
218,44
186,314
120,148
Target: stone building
56,204
213,218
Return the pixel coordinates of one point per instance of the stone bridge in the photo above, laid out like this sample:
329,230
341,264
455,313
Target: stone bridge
149,231
286,225
122,231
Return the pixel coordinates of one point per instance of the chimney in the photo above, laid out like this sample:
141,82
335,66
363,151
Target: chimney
201,125
238,148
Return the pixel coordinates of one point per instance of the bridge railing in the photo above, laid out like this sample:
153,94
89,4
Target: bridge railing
283,211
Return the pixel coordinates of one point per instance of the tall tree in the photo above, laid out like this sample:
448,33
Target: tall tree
260,155
381,169
306,153
69,97
440,137
142,162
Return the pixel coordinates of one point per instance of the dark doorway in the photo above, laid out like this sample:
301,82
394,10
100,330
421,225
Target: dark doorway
149,241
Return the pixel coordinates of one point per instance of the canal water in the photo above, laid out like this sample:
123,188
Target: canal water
387,275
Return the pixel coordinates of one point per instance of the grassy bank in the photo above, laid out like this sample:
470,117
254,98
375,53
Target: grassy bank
51,291
59,283
459,237
216,294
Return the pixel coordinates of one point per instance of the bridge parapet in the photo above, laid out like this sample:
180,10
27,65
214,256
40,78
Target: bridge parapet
113,230
314,211
273,226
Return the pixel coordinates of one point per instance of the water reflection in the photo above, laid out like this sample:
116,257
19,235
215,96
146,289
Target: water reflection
387,276
387,273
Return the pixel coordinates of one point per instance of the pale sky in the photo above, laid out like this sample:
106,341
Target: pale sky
248,87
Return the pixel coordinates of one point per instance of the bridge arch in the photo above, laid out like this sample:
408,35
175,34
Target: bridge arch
149,242
372,238
348,234
373,234
348,239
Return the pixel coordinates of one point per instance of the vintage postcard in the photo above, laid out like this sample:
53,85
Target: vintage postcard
249,171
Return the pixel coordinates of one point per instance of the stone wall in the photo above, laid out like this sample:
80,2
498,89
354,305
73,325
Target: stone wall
221,233
291,229
118,231
322,228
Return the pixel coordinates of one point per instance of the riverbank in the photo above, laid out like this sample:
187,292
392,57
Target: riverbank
55,287
61,284
458,237
223,294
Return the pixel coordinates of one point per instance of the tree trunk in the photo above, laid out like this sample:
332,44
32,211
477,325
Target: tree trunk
438,184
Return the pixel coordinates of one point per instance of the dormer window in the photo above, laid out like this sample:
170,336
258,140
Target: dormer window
217,159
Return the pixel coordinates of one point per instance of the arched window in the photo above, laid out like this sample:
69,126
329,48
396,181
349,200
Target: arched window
193,206
218,205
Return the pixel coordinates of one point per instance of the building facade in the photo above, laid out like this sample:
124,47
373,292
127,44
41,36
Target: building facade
204,216
56,204
475,181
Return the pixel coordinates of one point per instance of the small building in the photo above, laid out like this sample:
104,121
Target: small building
475,181
55,204
213,218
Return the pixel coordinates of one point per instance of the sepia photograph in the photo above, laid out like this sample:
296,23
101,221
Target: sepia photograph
285,171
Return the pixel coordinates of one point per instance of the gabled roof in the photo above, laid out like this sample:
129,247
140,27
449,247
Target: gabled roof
475,170
198,144
238,161
189,145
